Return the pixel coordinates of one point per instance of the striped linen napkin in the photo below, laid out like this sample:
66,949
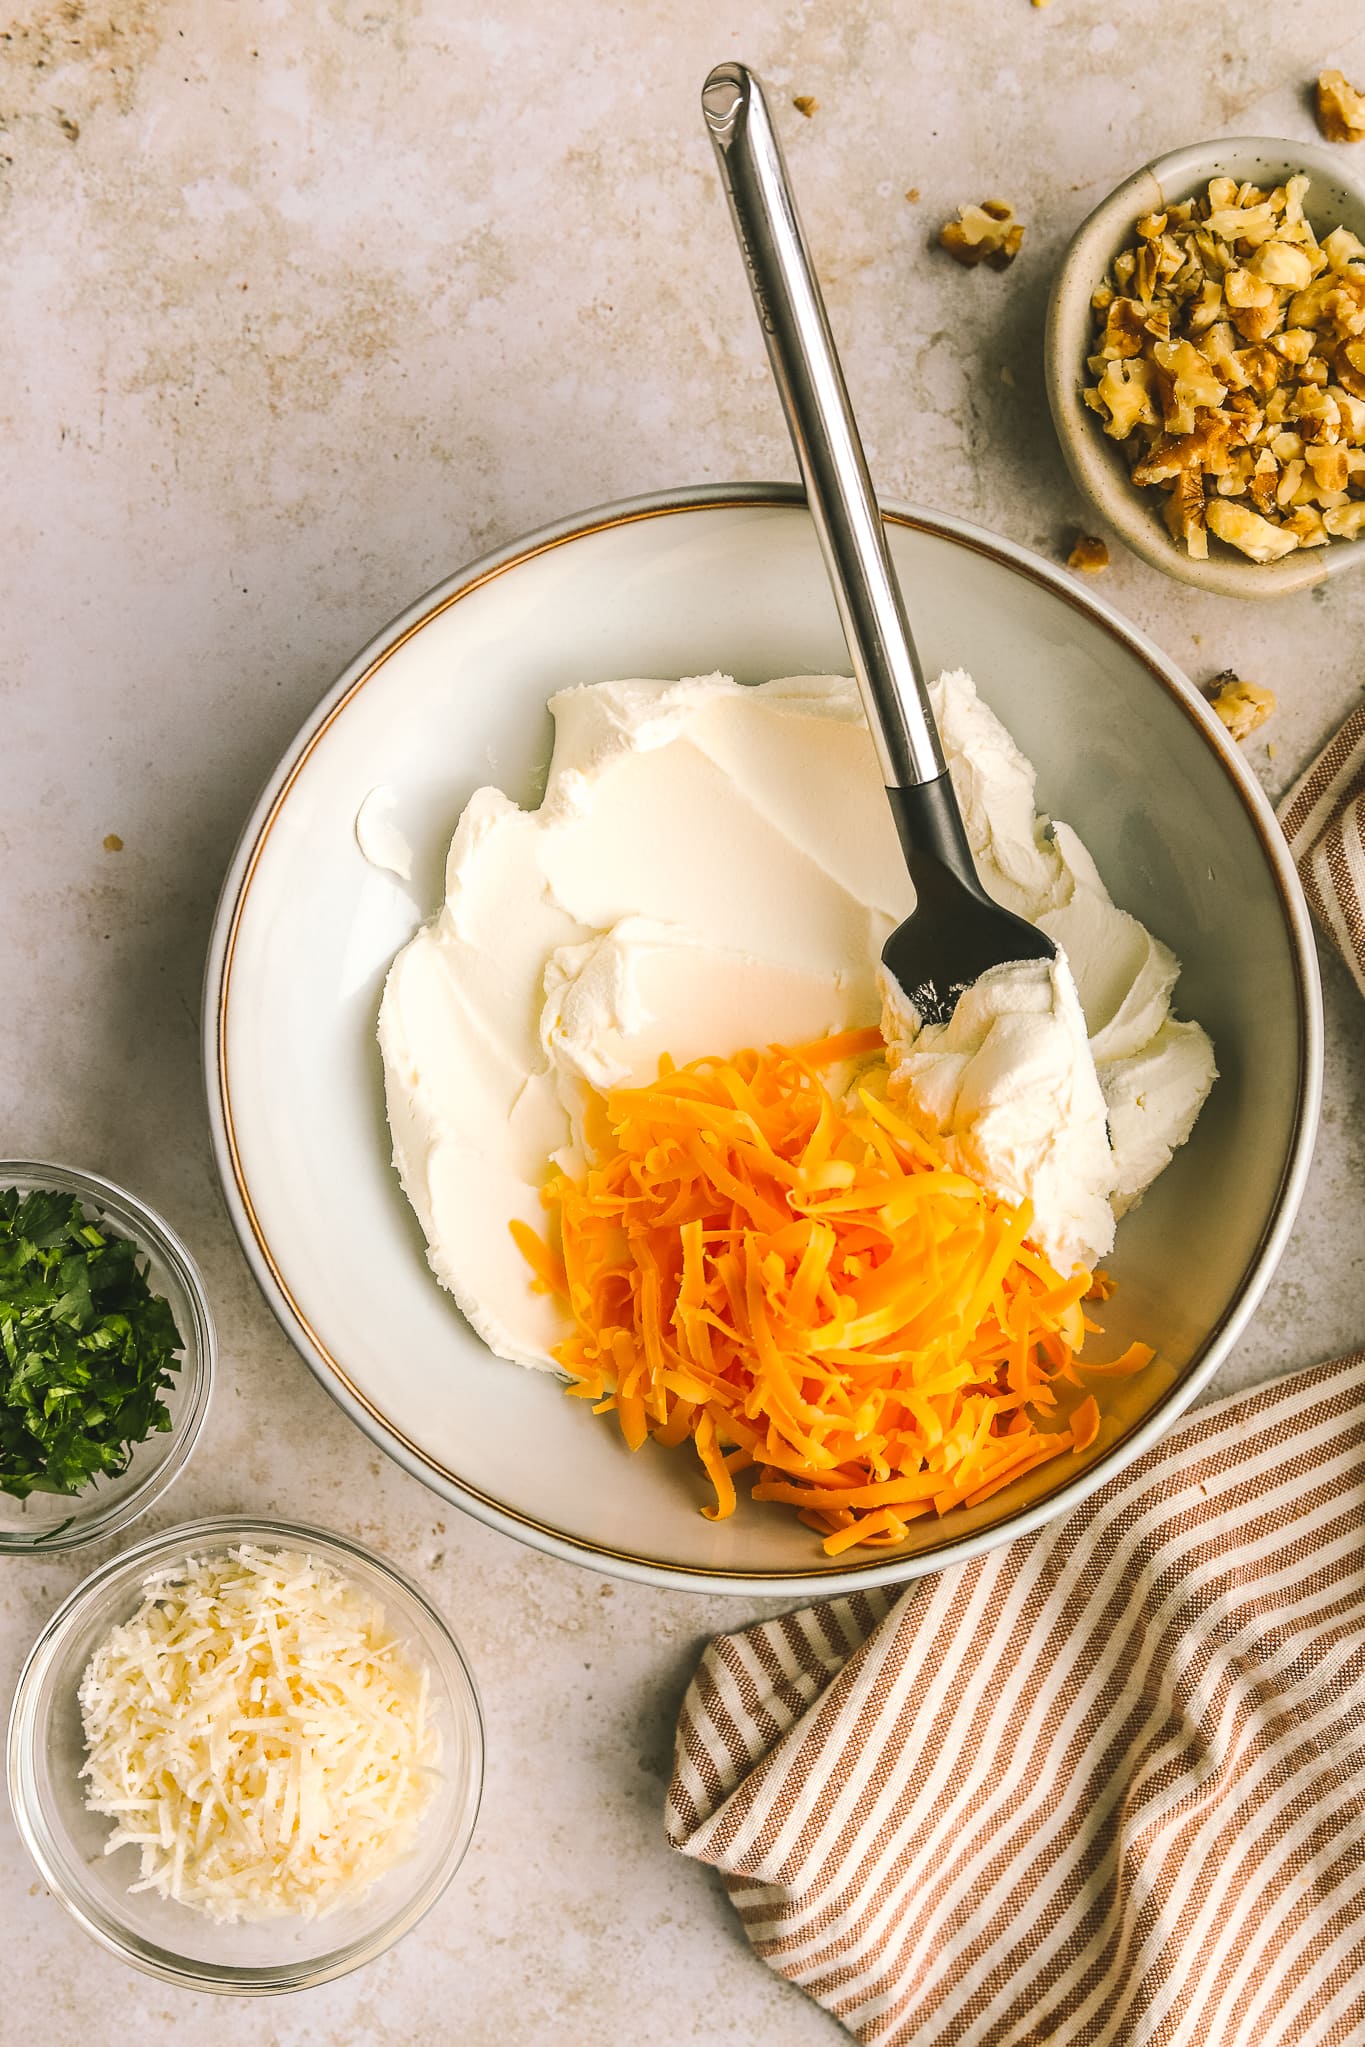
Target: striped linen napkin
1105,1785
1324,821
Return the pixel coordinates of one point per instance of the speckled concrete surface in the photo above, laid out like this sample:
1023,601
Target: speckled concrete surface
303,307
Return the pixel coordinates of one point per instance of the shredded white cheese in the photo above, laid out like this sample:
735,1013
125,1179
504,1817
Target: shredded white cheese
256,1731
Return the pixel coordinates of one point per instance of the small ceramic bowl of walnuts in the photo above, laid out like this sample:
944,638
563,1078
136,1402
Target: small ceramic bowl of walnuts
1205,362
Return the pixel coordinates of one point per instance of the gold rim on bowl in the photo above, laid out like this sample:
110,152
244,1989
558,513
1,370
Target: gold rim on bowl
330,1370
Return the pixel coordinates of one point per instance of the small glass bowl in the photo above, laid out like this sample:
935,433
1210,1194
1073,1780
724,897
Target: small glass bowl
50,1521
172,1941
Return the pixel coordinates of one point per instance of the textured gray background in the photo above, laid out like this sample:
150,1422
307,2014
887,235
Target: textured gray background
303,306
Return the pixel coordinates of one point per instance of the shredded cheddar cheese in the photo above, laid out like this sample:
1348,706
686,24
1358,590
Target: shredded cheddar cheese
257,1733
808,1289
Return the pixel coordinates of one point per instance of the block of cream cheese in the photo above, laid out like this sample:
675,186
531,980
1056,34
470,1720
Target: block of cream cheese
714,866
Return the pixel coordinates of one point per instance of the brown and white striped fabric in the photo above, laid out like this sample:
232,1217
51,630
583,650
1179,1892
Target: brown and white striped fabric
1324,821
1105,1785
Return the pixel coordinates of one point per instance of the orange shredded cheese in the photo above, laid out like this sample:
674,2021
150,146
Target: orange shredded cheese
806,1287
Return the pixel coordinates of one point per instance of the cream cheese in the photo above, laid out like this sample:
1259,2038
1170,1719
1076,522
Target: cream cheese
1154,1074
1008,1085
714,866
378,837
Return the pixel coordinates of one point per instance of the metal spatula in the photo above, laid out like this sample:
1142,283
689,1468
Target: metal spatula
955,931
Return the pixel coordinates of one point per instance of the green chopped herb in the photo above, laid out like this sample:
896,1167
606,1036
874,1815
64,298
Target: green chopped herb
85,1347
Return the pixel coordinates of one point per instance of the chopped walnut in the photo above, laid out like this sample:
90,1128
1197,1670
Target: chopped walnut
1089,555
1186,514
1340,108
1256,536
1345,521
1242,706
1229,362
988,233
804,104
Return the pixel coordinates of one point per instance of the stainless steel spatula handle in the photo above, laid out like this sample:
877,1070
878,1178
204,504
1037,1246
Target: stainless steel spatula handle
823,430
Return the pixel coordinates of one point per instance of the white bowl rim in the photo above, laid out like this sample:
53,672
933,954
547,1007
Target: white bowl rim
181,1540
157,1235
1133,514
656,1571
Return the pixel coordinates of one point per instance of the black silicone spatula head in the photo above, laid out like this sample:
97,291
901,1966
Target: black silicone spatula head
956,931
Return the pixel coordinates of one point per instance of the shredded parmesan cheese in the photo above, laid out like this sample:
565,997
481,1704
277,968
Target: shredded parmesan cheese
257,1733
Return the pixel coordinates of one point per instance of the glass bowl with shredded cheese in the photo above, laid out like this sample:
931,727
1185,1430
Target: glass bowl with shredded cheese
246,1756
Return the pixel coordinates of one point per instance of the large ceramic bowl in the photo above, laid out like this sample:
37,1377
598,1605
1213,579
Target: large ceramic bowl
453,695
1336,197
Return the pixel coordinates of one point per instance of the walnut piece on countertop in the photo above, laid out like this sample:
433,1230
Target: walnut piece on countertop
988,233
1340,108
1243,706
1089,554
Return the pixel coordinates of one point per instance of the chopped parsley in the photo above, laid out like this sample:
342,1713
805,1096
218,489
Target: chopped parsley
85,1347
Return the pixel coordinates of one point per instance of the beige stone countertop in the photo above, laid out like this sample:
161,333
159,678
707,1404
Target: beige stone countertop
303,307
